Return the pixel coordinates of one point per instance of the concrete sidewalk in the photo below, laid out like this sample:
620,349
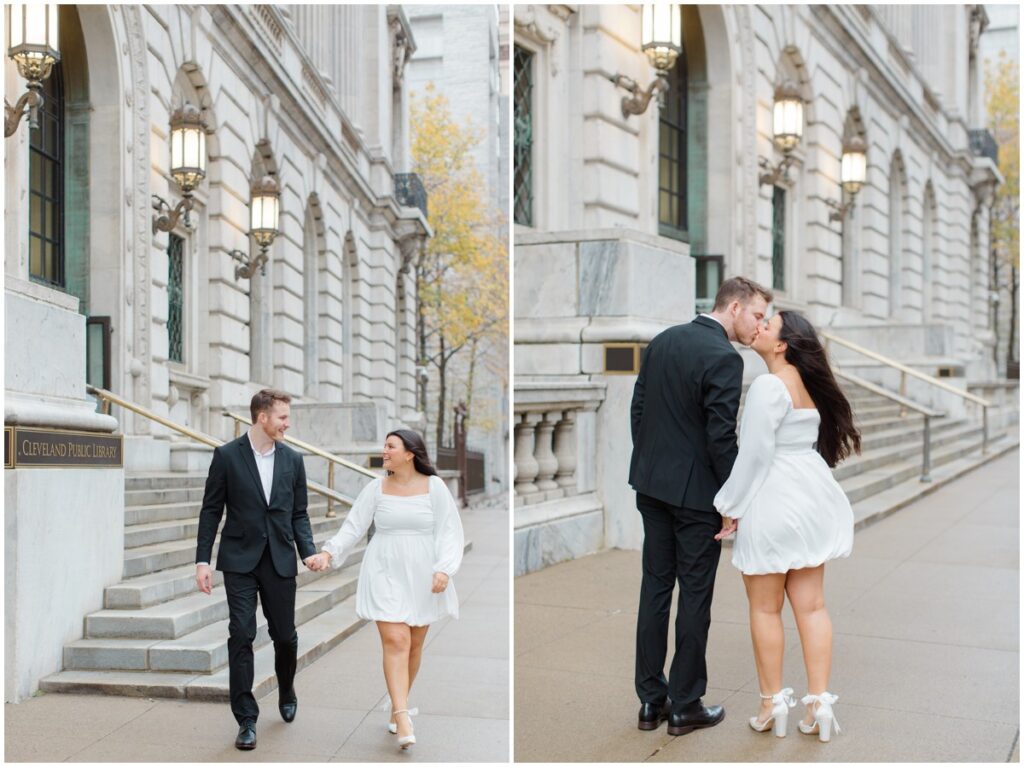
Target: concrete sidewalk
461,691
925,661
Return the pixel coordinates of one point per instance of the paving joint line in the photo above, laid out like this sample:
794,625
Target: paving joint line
1016,738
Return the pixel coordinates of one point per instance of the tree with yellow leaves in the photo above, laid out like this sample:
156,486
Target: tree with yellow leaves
462,272
1002,84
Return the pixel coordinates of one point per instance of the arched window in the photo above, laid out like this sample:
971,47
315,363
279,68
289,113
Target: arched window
46,185
672,200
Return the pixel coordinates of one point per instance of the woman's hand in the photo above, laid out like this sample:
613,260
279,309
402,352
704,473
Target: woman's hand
440,583
318,562
729,526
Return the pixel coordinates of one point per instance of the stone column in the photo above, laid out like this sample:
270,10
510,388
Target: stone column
527,467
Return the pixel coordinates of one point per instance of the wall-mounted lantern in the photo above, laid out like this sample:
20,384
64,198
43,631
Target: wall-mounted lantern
661,39
787,131
188,166
32,36
853,174
264,211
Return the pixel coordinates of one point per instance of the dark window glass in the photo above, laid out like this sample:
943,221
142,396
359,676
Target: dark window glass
523,137
175,297
672,155
779,238
46,185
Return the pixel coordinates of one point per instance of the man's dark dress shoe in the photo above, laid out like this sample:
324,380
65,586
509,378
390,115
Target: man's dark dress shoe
651,715
693,717
246,740
288,705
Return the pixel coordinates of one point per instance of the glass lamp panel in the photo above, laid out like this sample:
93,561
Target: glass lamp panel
177,149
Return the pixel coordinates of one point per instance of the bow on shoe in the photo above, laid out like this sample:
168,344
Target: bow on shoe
785,696
828,699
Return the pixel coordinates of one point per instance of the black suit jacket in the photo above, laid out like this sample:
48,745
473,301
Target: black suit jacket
683,415
252,523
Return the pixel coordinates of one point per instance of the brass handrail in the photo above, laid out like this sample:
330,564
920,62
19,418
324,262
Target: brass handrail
330,458
108,398
308,448
909,371
928,413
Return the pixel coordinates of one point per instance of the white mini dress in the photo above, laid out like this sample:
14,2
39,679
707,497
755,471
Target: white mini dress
792,512
415,537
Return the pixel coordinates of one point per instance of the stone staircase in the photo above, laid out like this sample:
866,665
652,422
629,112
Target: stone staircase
159,636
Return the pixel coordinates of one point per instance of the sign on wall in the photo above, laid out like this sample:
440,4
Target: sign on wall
49,448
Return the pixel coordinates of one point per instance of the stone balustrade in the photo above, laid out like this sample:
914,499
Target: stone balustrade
546,437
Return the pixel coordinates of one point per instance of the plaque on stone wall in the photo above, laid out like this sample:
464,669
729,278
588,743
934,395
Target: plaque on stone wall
49,448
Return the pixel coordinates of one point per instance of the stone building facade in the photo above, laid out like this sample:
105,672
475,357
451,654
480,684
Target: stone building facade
313,96
458,51
625,225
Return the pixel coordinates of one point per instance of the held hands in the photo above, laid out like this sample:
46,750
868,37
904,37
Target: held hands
204,578
440,583
729,526
318,562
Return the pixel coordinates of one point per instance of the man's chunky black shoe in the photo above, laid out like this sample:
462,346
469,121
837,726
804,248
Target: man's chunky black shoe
695,716
246,740
651,715
288,705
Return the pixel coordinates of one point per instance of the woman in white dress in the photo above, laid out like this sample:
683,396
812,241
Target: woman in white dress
405,577
789,513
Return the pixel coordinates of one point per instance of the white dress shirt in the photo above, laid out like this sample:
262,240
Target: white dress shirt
704,314
265,465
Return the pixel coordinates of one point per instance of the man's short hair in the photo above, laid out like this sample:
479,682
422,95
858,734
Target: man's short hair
740,289
264,400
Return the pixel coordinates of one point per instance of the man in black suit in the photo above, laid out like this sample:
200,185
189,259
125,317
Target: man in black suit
683,414
262,482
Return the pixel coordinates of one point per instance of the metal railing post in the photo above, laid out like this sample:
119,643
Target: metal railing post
926,468
903,393
238,429
330,485
984,429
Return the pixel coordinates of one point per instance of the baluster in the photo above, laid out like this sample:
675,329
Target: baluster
546,462
526,465
565,452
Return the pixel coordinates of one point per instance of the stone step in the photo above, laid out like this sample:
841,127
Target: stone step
874,411
163,512
316,637
903,432
154,588
881,505
876,457
148,533
161,556
205,649
168,480
867,483
134,498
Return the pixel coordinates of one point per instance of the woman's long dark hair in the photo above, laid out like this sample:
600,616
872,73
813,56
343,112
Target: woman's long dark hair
837,436
414,444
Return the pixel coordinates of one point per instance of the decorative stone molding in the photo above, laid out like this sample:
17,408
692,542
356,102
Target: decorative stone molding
311,82
266,18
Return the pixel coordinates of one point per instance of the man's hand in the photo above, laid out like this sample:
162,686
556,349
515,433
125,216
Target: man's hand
318,562
440,583
729,526
204,578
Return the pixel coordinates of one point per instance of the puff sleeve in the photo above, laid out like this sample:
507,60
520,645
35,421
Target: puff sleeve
766,405
356,523
449,540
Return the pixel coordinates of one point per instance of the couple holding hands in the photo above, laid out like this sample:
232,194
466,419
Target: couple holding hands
405,577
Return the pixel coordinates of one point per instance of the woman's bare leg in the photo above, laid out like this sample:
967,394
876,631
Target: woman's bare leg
396,640
765,594
806,590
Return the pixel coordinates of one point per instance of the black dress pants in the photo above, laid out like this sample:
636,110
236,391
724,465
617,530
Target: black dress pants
679,544
277,596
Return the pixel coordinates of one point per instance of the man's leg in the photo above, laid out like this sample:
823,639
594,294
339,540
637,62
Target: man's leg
659,572
277,595
697,554
241,590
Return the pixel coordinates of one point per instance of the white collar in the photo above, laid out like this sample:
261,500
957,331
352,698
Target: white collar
704,314
273,447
